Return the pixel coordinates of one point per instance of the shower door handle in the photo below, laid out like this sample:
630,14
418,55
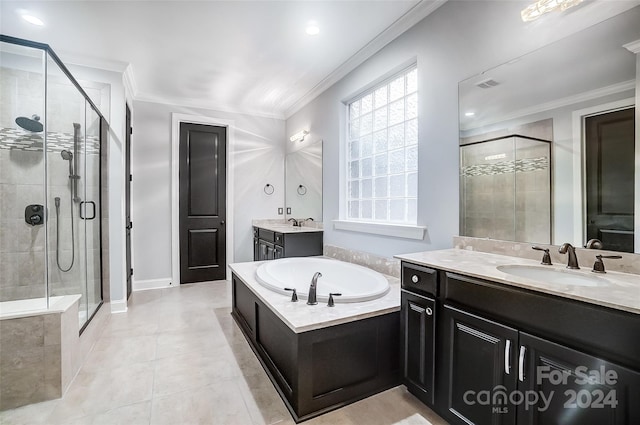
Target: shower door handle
83,208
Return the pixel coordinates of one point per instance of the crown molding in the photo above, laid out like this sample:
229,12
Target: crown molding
129,81
559,103
211,106
92,62
410,18
633,47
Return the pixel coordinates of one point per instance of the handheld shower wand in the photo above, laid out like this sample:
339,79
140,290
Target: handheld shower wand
67,156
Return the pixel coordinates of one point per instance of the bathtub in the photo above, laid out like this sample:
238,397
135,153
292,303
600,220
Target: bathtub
319,358
354,282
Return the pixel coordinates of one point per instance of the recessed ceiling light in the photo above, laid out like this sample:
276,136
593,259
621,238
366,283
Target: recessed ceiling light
33,20
312,28
469,114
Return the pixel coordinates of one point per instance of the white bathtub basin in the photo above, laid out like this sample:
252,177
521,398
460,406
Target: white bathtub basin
355,283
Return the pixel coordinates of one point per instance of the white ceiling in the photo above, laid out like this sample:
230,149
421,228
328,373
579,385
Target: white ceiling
245,56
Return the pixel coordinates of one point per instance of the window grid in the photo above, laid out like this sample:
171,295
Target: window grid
382,152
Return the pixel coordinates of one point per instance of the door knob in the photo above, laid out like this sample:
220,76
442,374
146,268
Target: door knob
222,223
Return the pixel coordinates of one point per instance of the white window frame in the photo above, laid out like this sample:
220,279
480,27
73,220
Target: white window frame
387,227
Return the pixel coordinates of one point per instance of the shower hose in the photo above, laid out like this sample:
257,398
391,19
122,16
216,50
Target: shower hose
57,201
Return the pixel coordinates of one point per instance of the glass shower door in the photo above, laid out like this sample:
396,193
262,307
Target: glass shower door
90,210
65,179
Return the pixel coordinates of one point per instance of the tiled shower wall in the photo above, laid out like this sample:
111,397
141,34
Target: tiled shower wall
22,182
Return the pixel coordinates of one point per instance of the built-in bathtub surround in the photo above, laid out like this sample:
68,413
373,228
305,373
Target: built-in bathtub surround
300,317
386,266
629,263
621,292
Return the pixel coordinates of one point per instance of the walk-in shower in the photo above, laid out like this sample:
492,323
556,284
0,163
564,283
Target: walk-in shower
51,135
50,147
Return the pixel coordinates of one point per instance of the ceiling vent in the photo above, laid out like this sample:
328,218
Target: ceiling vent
487,84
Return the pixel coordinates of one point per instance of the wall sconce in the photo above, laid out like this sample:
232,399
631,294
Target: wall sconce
539,8
299,136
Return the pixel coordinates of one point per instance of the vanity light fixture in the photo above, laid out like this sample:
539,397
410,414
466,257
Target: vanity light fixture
539,8
32,20
312,28
299,136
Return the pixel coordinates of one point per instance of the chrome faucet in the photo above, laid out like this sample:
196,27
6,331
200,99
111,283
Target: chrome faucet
567,248
311,300
295,222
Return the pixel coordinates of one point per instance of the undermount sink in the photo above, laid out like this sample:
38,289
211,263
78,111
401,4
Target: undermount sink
555,276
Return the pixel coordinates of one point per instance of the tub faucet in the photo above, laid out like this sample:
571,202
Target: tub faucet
567,248
311,300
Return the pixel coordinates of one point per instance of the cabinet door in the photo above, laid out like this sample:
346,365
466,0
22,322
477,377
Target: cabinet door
559,374
256,249
418,335
278,252
479,362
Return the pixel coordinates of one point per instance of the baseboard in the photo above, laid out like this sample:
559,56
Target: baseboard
143,285
118,306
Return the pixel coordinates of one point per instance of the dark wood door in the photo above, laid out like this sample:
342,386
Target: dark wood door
127,192
553,370
202,202
481,359
610,163
417,345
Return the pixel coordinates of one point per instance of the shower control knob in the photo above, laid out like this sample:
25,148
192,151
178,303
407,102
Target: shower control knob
35,219
415,278
35,208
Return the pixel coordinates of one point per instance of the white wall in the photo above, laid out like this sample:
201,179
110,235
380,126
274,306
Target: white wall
258,157
460,39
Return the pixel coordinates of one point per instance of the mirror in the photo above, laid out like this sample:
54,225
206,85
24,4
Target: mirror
303,182
577,95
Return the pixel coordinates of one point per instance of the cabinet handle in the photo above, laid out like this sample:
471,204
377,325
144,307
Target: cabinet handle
429,311
507,357
415,278
521,363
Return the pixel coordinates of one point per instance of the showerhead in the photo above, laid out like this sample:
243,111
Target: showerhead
32,124
66,155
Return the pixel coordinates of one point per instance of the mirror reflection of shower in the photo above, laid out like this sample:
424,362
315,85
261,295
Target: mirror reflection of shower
74,177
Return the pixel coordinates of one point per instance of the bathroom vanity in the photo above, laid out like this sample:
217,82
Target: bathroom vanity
319,358
273,241
480,345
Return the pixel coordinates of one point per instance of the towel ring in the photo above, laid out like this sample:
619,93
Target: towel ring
302,190
269,189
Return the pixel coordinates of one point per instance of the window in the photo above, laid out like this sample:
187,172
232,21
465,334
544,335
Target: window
382,152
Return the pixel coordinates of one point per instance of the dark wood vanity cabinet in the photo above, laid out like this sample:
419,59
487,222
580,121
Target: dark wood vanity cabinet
478,358
418,313
270,245
418,342
497,346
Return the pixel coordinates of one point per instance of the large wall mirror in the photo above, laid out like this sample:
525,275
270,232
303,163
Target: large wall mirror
548,151
303,182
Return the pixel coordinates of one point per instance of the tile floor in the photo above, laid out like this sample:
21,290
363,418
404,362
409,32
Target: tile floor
177,357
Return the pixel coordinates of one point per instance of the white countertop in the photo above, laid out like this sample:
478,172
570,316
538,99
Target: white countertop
623,292
284,227
300,317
